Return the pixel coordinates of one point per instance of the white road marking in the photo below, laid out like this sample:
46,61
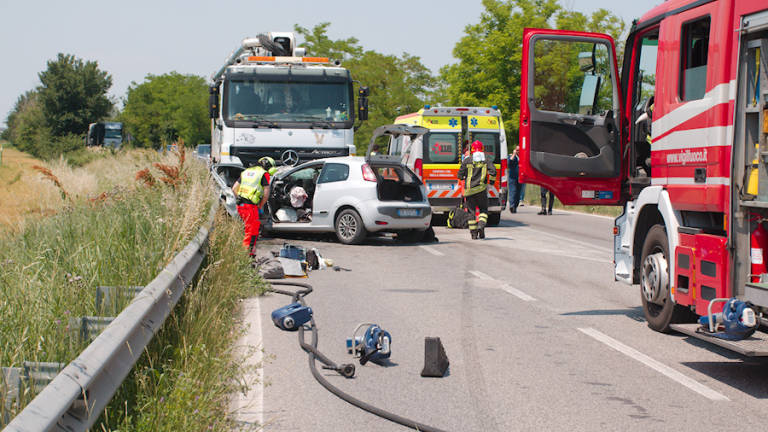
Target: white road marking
517,293
480,275
655,365
506,287
432,250
250,406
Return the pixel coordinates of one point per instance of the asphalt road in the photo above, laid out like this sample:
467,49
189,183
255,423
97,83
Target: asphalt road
538,335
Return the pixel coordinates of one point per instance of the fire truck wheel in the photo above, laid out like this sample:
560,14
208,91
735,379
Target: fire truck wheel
494,219
660,311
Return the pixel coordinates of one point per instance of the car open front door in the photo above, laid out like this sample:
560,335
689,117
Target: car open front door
569,110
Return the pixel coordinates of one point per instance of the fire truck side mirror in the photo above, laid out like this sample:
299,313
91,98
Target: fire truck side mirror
213,101
362,103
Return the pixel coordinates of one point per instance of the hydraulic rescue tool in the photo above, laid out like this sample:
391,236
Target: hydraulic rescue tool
292,316
736,322
373,345
346,370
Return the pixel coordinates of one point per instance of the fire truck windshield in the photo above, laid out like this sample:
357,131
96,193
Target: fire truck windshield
307,103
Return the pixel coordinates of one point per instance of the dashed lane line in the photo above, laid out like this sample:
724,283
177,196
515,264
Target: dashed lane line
655,365
506,287
517,293
432,250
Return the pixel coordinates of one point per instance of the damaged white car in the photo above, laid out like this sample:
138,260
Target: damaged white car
351,196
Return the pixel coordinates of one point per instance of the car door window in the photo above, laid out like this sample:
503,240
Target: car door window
334,172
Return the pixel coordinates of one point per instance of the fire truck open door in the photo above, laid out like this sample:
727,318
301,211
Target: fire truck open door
569,116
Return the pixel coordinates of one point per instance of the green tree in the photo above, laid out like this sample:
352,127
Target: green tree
27,128
166,107
490,53
73,94
398,85
319,44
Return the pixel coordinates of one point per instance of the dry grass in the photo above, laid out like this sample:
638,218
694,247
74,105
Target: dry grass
25,192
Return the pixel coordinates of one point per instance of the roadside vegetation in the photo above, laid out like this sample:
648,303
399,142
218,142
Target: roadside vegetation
105,228
192,368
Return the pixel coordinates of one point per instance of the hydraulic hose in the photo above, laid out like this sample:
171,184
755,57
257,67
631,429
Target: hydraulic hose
313,353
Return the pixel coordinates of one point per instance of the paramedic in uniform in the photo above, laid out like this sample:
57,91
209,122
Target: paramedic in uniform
476,171
252,191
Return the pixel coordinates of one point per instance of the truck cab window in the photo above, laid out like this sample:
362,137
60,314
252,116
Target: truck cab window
693,65
643,102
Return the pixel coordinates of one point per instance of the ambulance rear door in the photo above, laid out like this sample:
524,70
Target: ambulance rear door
569,116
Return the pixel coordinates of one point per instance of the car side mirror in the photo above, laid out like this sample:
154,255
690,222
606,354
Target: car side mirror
362,103
589,91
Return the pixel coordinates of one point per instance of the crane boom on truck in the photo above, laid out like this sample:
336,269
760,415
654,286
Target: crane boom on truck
270,99
679,139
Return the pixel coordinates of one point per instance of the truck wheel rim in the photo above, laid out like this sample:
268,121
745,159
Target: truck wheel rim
655,279
347,226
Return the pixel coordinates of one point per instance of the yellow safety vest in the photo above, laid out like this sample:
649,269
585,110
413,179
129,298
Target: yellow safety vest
250,184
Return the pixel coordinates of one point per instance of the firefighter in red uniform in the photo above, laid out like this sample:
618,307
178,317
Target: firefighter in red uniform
477,171
252,191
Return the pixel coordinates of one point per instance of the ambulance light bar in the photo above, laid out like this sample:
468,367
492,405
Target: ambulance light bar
461,110
287,59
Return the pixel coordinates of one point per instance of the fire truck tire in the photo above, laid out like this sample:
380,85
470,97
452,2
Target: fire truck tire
494,219
659,317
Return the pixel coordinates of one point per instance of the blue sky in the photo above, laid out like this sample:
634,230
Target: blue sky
130,39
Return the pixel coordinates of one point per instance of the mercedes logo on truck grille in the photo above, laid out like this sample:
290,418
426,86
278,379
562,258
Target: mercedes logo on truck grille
290,157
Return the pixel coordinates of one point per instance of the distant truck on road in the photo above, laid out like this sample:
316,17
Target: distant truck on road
108,134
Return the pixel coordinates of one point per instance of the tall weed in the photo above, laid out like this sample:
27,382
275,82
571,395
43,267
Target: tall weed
50,268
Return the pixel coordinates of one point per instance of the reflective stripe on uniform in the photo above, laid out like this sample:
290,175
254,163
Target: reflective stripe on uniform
250,184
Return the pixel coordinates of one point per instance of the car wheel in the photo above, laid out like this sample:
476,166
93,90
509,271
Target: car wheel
494,219
349,227
659,308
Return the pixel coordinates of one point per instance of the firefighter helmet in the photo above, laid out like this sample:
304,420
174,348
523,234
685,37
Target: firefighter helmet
267,162
477,146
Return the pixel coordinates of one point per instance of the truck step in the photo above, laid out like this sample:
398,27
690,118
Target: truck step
753,346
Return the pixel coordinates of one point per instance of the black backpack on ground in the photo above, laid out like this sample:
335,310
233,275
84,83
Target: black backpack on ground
459,217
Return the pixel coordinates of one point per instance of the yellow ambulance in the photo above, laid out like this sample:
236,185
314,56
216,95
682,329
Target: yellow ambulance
436,156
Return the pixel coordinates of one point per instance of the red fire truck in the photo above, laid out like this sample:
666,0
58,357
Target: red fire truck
677,136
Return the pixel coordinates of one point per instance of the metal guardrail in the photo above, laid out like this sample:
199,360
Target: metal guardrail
75,399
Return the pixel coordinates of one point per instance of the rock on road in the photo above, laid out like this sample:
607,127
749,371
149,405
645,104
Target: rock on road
538,335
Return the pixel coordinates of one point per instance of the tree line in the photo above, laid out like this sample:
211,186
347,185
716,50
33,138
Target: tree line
53,118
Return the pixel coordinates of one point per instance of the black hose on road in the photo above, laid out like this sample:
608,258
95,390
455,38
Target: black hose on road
313,353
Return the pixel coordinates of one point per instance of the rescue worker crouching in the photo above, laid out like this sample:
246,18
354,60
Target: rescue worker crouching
252,191
477,171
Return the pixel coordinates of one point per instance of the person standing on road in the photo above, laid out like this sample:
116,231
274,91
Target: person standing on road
516,189
252,191
477,171
546,210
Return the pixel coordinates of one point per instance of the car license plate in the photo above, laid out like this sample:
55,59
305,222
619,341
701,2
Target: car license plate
408,212
441,186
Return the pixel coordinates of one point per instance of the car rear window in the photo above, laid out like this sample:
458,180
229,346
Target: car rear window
397,174
441,147
490,142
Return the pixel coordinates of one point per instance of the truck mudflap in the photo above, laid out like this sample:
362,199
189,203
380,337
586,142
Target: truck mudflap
753,346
